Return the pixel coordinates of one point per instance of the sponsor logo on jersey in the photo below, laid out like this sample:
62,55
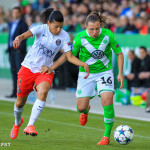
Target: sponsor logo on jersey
46,51
117,45
58,42
97,54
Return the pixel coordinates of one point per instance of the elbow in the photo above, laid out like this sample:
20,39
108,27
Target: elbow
69,59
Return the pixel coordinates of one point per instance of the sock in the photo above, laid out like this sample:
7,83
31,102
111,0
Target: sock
36,110
85,112
108,119
18,114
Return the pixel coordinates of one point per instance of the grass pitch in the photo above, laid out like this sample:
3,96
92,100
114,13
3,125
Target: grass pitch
59,129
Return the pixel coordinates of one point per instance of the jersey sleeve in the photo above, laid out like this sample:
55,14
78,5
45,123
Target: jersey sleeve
37,30
76,45
114,44
67,45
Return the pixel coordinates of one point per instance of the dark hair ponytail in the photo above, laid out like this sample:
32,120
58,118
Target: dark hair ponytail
96,16
51,15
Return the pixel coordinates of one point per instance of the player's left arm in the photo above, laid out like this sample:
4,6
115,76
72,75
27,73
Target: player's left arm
66,56
120,67
117,50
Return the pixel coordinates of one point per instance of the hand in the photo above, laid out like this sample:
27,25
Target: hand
121,80
86,68
141,75
130,76
146,75
45,69
16,43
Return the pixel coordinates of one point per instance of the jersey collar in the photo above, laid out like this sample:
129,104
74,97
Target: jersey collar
89,34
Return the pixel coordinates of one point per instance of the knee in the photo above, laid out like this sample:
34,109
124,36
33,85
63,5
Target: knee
107,100
43,92
81,108
19,104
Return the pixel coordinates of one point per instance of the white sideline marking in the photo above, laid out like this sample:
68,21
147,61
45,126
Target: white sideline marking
74,125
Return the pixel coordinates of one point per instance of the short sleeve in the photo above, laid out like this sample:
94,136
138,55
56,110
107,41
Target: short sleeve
37,30
76,45
67,45
114,44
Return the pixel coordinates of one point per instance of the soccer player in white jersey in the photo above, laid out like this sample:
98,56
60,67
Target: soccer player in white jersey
95,45
49,39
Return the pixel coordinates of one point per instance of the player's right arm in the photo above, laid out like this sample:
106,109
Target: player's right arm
18,39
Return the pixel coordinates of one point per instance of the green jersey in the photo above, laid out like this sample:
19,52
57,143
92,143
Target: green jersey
96,52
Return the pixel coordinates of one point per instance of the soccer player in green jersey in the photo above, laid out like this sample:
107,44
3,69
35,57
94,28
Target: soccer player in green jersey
95,45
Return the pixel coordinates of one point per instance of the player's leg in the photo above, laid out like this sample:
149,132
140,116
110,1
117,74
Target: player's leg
107,102
25,84
18,110
83,108
105,87
43,84
85,91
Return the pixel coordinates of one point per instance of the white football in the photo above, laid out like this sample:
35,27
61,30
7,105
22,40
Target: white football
123,134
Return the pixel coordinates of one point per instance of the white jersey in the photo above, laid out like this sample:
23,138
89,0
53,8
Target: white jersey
45,47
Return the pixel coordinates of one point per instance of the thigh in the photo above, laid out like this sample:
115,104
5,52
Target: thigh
48,78
105,82
83,102
25,82
43,86
85,87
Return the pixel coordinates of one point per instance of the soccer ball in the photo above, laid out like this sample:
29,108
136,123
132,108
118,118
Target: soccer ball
123,134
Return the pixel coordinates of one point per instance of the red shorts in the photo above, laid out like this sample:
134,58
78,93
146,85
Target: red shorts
27,80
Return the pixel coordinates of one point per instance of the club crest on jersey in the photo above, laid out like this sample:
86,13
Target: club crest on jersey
58,42
69,43
19,90
97,54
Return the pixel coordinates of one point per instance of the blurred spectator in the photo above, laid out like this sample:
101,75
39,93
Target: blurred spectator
140,25
144,73
126,16
16,56
29,11
3,26
125,7
29,21
148,25
125,26
83,9
40,5
132,78
37,20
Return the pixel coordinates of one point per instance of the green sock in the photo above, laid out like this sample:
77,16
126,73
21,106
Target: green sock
108,119
85,112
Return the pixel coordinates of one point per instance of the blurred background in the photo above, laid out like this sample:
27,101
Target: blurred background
129,20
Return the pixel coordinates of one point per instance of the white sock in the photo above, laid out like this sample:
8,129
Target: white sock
18,114
36,110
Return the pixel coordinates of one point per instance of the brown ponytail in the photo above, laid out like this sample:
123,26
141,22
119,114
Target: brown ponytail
96,16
